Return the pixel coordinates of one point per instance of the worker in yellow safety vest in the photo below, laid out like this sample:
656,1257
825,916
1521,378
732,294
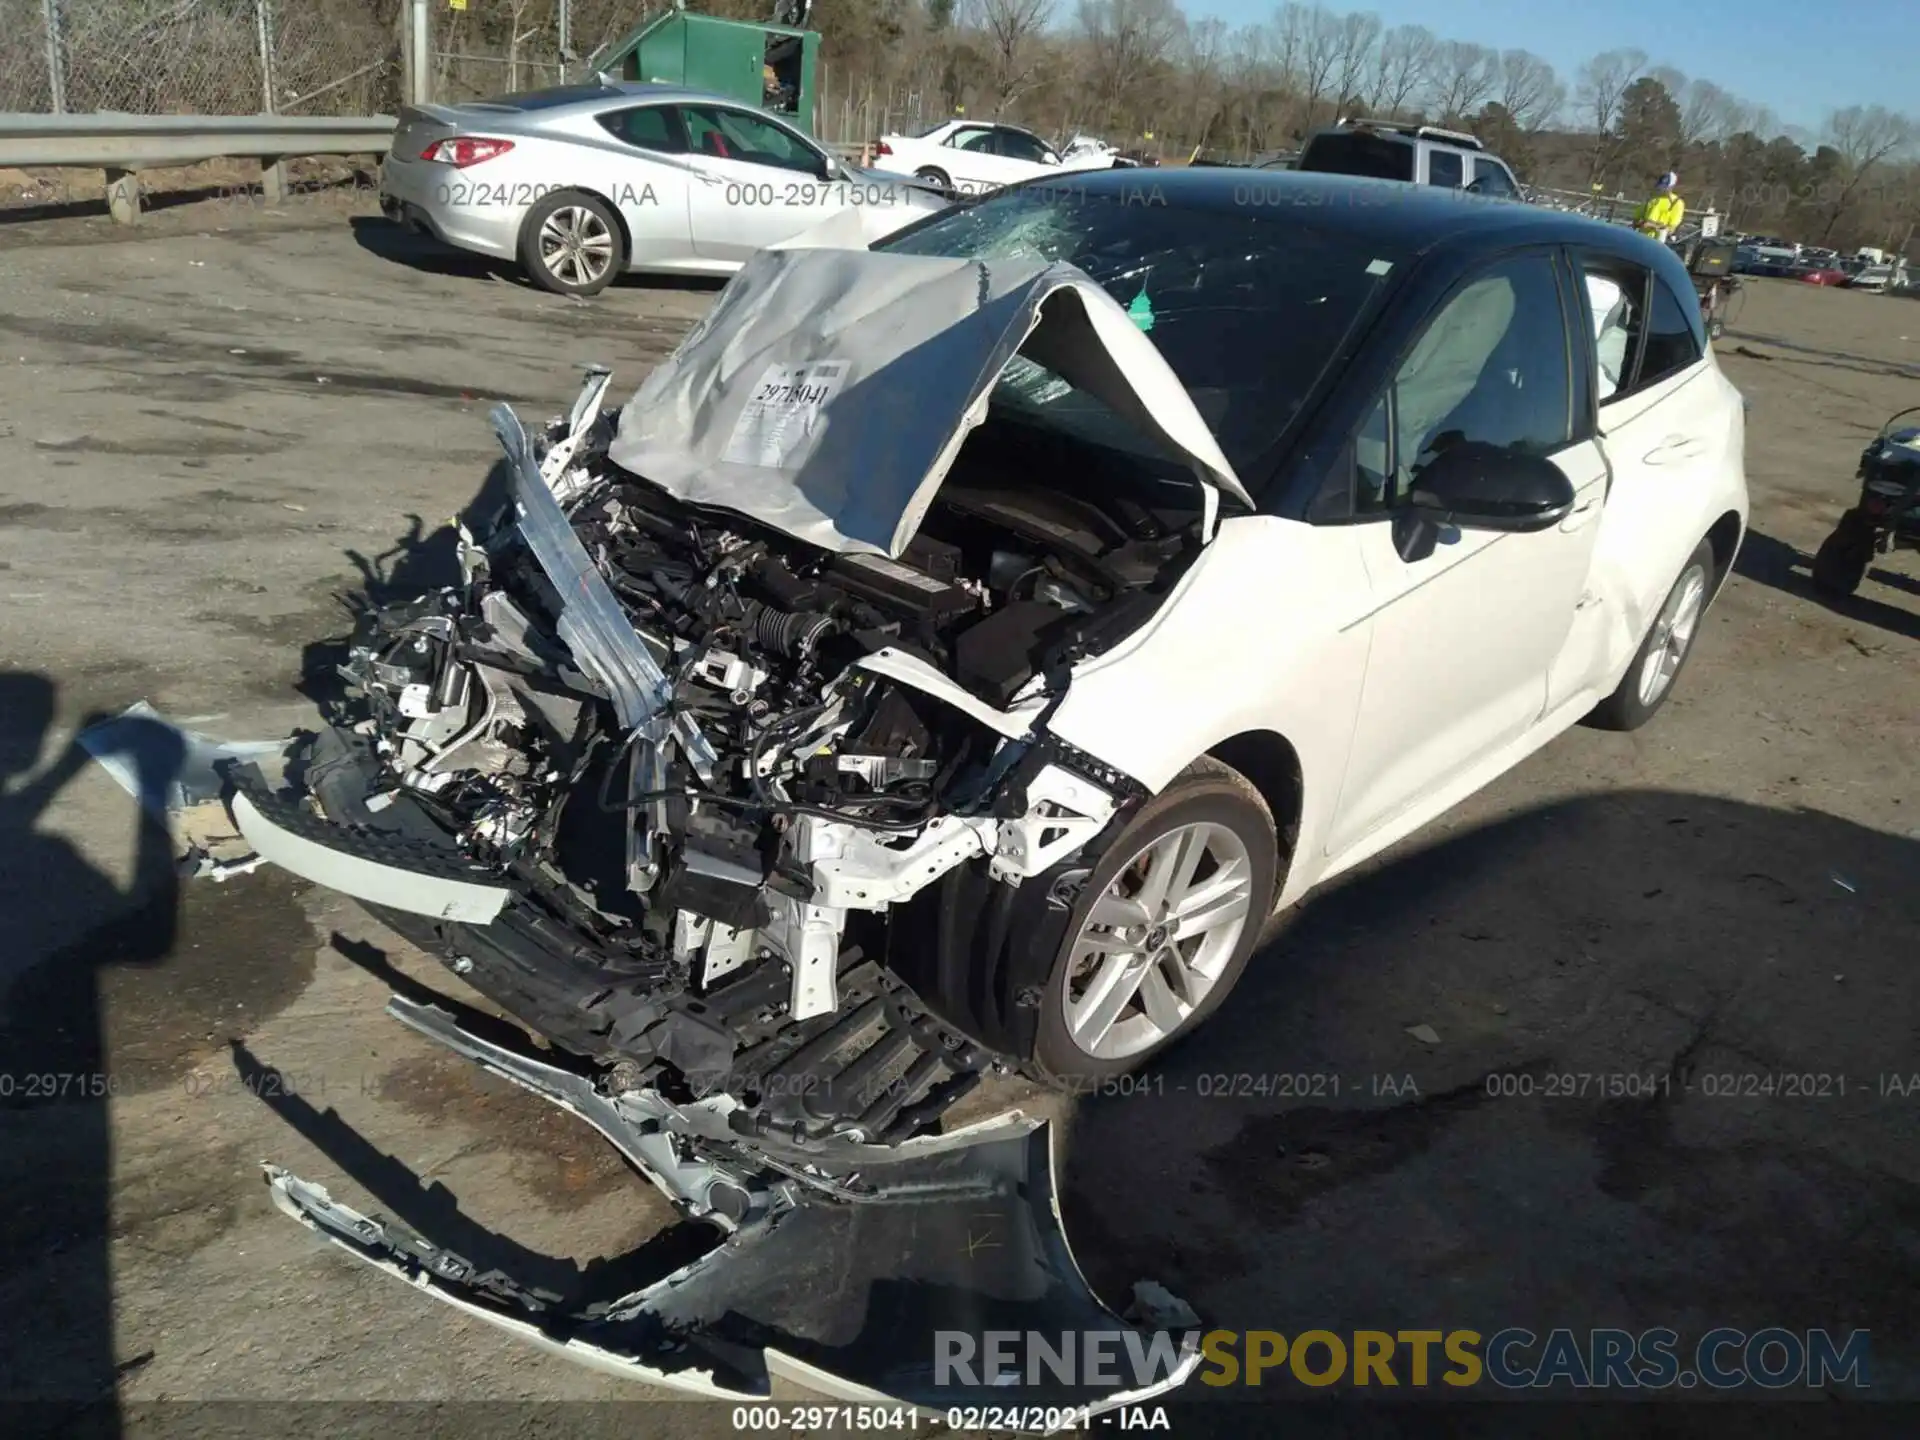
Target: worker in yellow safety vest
1660,215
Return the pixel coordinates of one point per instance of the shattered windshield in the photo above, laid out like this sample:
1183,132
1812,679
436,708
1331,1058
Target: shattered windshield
1248,305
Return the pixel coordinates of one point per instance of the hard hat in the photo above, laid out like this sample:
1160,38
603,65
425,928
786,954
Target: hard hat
1669,180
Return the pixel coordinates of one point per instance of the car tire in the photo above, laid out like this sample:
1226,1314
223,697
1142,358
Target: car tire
1669,641
1208,804
571,243
937,178
1841,562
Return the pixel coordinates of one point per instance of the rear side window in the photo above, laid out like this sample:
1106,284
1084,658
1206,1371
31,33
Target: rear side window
647,127
1643,329
1355,152
1672,340
1444,167
1616,301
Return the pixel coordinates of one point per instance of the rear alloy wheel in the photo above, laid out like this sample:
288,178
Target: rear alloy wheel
1656,665
939,179
571,244
1166,923
1841,562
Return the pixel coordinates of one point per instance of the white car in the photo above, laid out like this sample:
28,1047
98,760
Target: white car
1881,277
966,157
950,659
1252,599
585,182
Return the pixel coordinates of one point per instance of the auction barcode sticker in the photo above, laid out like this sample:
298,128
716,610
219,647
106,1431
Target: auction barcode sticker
783,412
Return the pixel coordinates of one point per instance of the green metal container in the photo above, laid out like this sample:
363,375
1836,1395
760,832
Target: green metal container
728,57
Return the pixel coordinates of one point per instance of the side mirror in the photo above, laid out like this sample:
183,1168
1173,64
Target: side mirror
1049,158
831,169
1488,487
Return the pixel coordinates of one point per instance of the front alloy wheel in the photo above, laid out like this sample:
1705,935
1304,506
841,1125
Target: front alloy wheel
1165,925
1156,943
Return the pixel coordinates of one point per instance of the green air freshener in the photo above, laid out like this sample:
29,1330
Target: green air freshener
1141,310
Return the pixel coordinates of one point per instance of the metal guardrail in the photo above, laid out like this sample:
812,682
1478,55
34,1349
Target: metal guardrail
124,144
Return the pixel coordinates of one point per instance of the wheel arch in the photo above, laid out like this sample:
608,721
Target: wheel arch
1724,535
1271,765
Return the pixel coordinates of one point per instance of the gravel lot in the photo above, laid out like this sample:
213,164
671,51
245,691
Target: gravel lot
209,426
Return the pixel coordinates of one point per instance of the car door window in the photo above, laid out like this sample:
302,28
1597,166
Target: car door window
1616,302
1673,342
981,142
1492,366
1444,168
1016,146
647,127
1490,178
736,135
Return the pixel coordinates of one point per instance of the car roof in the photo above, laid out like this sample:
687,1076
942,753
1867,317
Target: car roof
595,93
1413,218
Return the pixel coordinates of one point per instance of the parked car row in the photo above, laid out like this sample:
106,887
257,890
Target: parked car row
1809,267
1867,269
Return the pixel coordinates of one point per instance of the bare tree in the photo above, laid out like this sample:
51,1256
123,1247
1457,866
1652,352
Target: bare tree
1529,90
1464,76
1316,32
1015,52
1205,66
1404,64
1123,38
1864,135
1707,113
1358,39
1603,83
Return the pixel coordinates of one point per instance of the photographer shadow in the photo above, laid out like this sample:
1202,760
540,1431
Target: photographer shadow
66,922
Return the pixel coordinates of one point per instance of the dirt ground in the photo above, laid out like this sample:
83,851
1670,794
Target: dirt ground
213,423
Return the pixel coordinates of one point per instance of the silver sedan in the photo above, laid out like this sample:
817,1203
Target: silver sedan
582,183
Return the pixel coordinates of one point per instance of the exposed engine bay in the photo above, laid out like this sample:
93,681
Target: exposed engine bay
708,760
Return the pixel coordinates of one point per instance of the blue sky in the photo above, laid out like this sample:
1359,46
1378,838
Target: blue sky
1799,60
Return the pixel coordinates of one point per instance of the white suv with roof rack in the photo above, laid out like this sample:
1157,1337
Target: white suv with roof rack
1418,154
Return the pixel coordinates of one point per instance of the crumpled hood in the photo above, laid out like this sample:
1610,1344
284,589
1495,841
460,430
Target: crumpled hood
828,391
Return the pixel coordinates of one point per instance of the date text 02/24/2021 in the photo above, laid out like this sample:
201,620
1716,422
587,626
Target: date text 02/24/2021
960,1420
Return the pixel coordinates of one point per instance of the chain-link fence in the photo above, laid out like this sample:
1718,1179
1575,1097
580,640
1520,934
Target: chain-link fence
343,57
200,57
510,45
861,114
25,76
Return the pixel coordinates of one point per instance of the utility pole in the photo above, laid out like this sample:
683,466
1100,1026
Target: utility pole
273,170
416,53
56,62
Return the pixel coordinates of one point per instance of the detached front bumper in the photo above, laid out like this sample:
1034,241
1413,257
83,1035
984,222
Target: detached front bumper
398,872
850,1276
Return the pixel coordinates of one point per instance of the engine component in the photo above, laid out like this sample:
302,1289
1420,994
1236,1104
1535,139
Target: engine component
896,586
996,657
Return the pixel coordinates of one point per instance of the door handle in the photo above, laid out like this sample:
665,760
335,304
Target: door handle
1674,447
1581,515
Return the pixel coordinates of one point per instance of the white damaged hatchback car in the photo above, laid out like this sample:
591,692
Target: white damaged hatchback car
944,665
956,651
